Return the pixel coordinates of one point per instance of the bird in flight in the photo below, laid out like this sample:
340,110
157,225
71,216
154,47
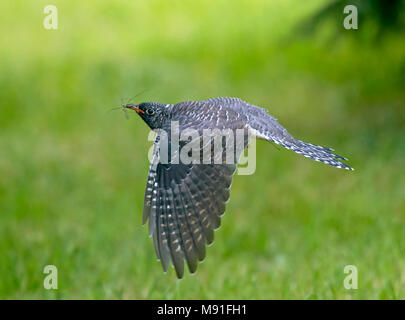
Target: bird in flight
184,201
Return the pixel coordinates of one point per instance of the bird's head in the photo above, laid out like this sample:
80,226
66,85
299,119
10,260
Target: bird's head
153,113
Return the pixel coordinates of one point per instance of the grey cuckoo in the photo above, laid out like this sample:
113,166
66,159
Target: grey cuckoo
184,202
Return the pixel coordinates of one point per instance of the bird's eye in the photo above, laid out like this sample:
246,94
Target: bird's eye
150,112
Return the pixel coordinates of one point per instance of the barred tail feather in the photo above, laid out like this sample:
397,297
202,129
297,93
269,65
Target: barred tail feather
317,153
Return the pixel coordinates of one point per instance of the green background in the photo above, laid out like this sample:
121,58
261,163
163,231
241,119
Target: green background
72,174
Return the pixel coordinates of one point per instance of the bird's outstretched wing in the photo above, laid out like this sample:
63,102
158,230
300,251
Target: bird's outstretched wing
264,126
183,215
184,204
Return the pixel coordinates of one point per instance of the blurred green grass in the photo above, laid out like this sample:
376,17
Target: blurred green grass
72,174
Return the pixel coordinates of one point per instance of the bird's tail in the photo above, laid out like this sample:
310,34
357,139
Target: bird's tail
315,152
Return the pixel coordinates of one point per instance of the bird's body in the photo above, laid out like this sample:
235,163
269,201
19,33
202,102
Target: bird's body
184,201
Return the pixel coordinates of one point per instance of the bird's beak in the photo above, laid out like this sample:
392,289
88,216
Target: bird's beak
134,107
